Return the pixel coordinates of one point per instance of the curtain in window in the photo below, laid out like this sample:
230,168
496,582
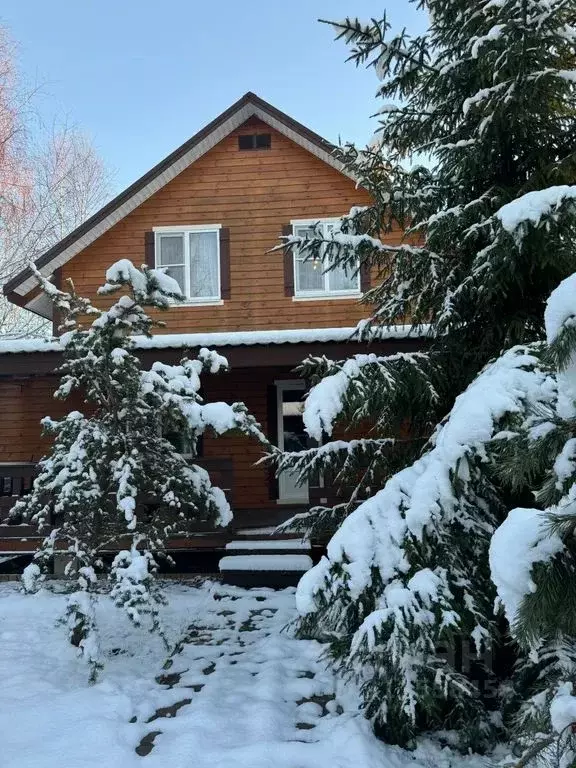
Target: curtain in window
172,257
204,266
309,273
341,280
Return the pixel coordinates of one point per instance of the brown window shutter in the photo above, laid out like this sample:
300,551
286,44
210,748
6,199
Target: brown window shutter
288,263
364,277
150,249
225,263
272,434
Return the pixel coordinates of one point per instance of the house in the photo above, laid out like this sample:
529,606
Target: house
210,213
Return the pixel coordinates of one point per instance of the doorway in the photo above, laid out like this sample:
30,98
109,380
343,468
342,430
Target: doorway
291,437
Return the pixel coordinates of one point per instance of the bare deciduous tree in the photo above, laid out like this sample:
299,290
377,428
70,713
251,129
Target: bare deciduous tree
51,180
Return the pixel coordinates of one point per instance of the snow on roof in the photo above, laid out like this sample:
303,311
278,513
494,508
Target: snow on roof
225,339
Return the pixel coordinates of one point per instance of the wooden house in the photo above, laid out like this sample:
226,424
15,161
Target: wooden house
210,213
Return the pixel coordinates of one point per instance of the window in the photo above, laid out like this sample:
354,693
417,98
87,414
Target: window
255,141
313,277
191,255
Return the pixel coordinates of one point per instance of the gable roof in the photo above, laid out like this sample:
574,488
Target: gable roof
250,105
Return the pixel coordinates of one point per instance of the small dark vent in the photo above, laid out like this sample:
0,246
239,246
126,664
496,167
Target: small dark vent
255,141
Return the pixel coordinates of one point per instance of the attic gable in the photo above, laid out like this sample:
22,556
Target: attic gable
248,107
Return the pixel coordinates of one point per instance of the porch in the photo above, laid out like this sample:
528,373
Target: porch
16,481
262,376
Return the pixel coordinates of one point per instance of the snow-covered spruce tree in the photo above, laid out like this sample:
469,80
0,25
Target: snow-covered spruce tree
488,95
533,553
112,481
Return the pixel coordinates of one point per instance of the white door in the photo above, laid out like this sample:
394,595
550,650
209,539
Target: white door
291,437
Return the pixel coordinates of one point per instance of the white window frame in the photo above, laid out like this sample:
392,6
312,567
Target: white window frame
325,293
185,230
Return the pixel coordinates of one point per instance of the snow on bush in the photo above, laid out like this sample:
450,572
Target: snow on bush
560,307
407,566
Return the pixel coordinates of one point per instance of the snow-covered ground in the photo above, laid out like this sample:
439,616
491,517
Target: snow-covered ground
239,692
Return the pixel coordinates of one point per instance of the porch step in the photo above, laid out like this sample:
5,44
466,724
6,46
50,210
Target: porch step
267,546
276,563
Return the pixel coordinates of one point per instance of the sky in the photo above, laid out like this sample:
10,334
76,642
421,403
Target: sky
142,76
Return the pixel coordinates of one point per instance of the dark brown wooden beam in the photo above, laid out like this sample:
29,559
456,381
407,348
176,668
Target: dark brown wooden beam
24,364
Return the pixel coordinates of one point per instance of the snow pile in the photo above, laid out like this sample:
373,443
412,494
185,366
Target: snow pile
413,501
522,540
532,206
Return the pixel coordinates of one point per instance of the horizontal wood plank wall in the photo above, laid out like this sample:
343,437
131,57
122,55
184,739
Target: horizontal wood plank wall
250,385
253,193
23,404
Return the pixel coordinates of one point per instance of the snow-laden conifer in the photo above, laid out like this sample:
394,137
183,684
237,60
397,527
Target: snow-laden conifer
533,555
486,98
112,481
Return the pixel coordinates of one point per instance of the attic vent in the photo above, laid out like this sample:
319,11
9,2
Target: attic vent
255,141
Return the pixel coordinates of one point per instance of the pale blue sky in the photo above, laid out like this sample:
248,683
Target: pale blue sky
142,76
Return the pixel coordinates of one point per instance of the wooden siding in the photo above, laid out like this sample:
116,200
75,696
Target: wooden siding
23,404
254,193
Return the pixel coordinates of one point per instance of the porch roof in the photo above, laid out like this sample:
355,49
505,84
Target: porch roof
286,347
225,338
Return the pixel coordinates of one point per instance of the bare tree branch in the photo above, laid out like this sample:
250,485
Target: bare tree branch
51,180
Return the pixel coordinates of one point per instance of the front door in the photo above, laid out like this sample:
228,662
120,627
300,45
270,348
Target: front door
291,437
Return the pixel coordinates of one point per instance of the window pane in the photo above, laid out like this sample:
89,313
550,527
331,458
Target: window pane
204,265
309,276
178,274
340,279
171,249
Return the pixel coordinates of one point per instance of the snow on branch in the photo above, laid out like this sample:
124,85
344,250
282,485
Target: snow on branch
343,456
149,286
532,207
442,489
356,378
522,540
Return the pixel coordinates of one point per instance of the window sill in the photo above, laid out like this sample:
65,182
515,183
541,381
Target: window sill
329,296
207,303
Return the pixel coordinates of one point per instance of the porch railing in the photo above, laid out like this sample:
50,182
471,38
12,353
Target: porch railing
16,481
